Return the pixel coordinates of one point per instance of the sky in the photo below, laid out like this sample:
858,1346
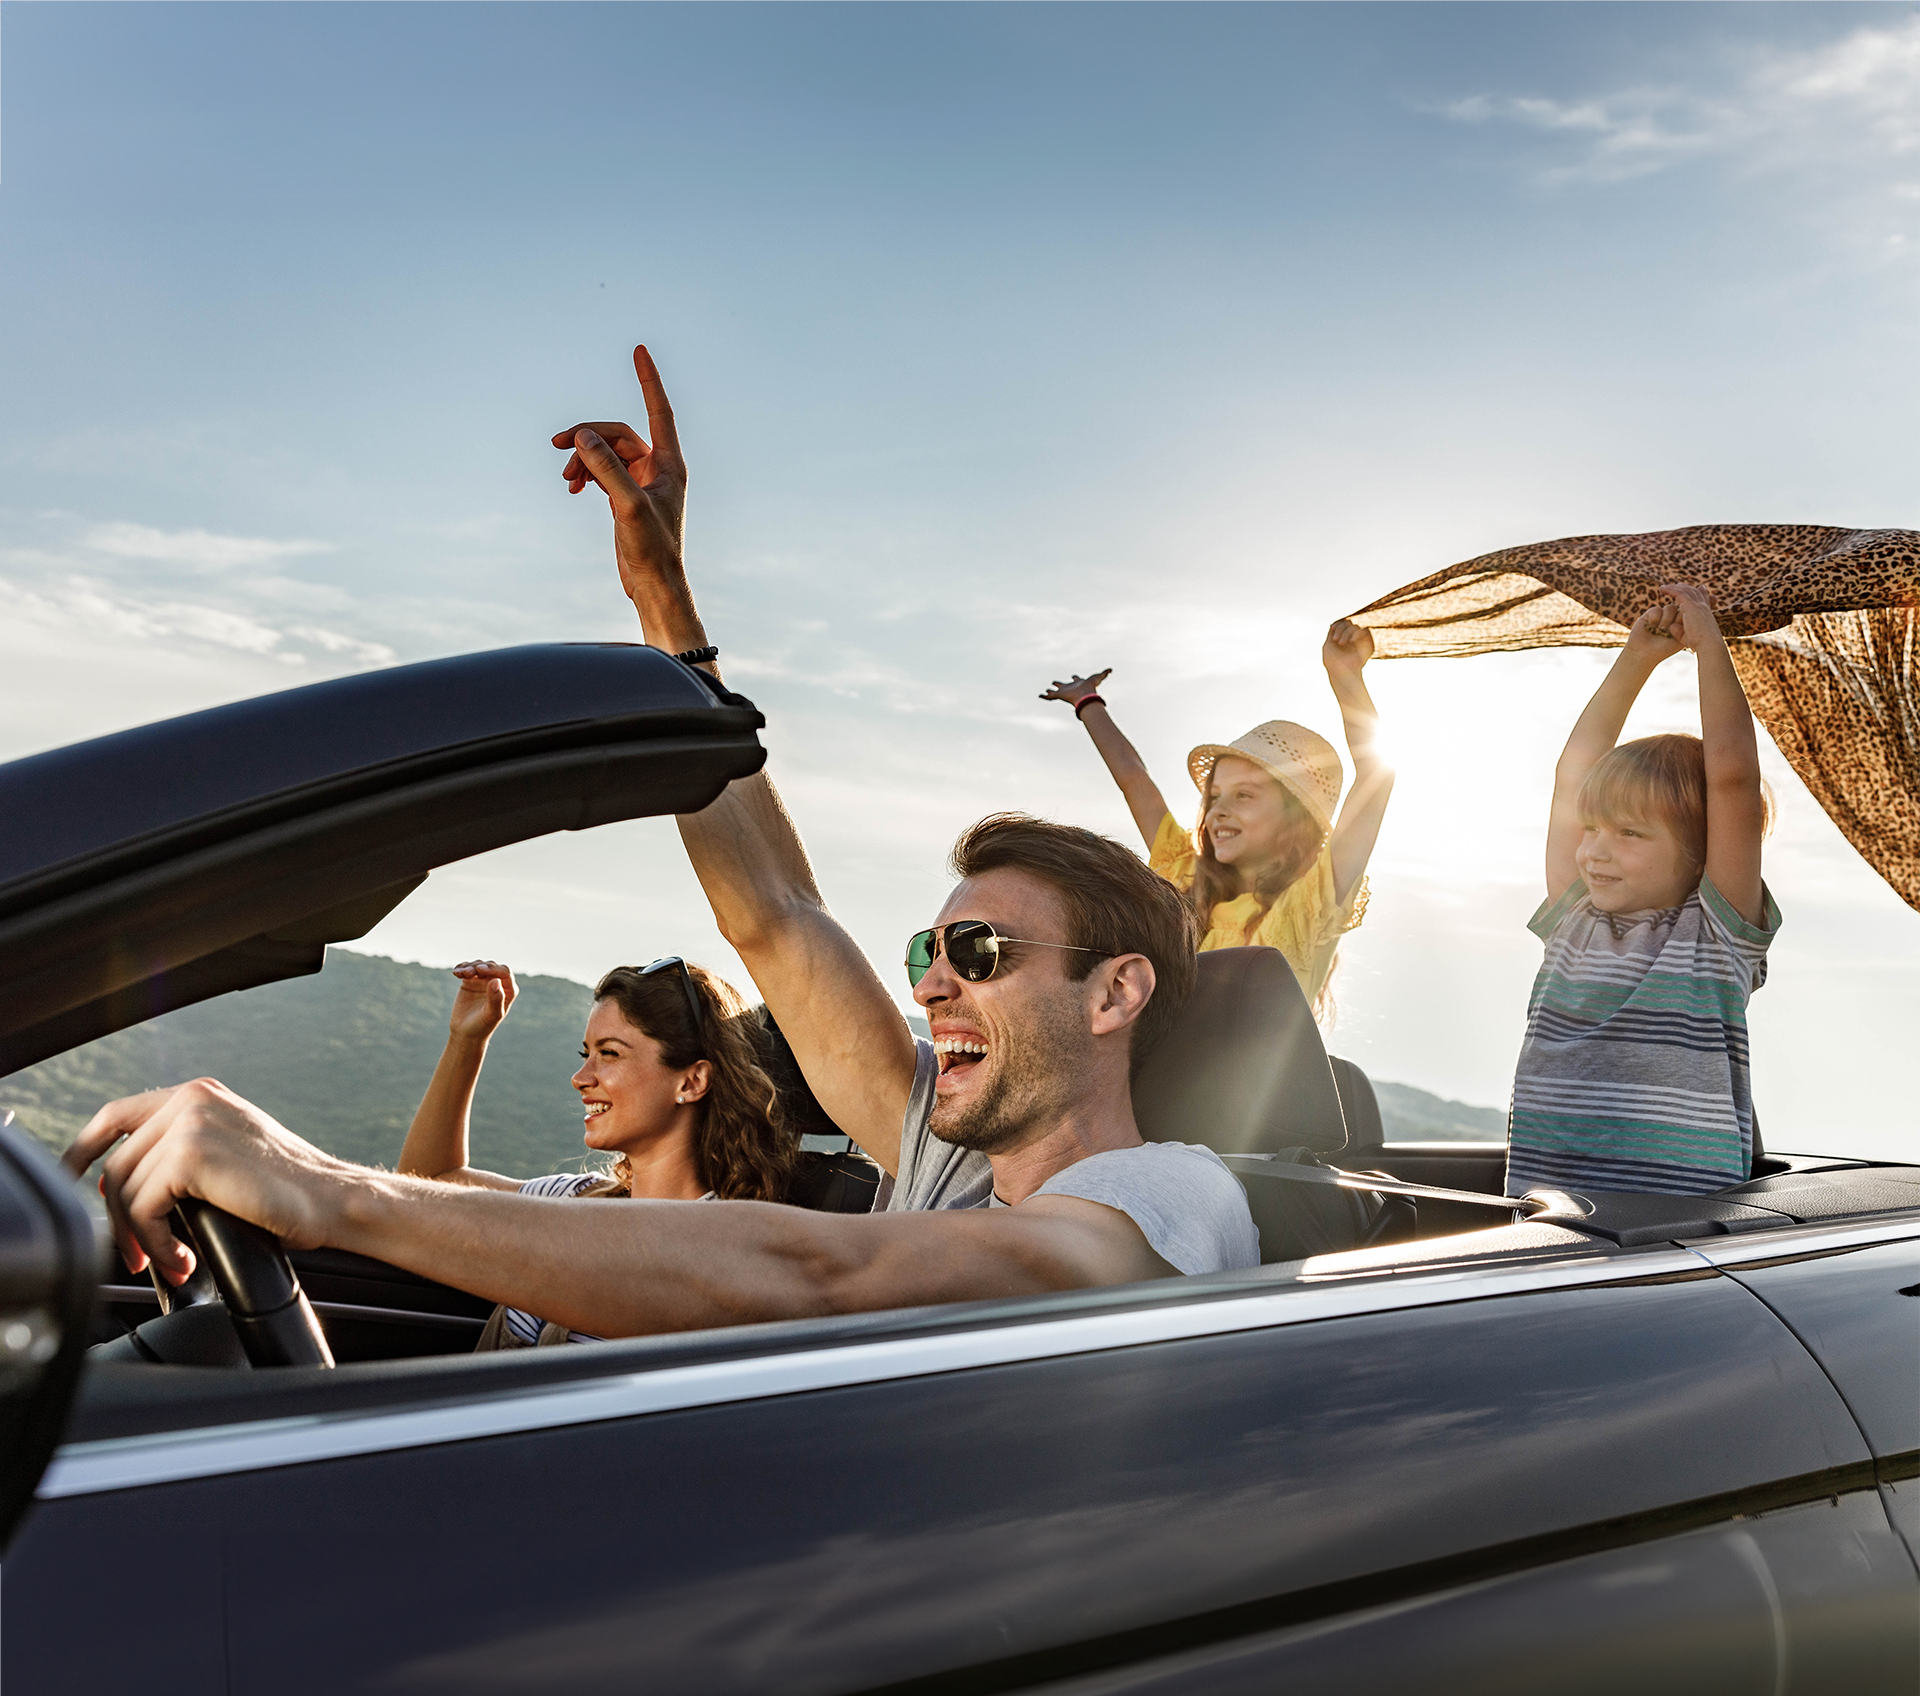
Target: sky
1006,342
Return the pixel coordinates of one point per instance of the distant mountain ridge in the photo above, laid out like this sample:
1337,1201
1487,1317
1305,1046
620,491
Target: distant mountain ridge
342,1059
1408,1114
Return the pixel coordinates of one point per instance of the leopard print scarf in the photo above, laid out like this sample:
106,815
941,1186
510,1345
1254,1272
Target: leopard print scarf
1820,622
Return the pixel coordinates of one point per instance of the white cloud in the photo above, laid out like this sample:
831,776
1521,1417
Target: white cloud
210,624
127,587
1630,134
367,653
197,550
85,605
82,658
1851,104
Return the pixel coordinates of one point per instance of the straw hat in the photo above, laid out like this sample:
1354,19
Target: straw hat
1302,763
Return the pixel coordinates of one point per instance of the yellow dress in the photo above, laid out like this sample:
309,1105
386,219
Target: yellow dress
1305,923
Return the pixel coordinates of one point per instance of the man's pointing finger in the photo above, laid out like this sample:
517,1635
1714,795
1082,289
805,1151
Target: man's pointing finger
659,408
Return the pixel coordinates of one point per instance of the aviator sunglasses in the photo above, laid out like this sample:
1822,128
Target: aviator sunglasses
972,948
673,963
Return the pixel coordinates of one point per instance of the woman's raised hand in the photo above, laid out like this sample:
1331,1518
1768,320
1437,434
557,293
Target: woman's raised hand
486,992
1348,646
1076,689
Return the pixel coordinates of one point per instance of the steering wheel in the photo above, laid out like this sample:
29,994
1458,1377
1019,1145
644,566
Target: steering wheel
269,1310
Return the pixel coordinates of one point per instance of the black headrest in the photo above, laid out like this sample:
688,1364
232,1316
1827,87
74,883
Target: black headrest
1358,1104
1243,1070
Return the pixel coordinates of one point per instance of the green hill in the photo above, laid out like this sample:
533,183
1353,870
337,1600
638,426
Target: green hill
341,1058
1408,1114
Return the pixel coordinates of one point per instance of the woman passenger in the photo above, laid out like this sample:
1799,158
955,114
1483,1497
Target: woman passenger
1267,864
671,1088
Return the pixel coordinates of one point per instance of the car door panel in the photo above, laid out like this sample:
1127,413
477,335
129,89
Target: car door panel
135,1601
1857,1309
1760,1608
858,1537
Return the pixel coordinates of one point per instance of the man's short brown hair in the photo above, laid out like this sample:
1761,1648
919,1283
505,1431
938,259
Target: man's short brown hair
1113,905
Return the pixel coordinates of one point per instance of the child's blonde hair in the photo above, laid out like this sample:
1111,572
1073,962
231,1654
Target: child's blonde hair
1658,777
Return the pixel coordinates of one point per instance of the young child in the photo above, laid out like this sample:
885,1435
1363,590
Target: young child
1633,1074
1268,863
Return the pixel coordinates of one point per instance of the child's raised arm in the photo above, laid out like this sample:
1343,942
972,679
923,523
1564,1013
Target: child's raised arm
1345,653
1736,803
1654,636
436,1145
1144,799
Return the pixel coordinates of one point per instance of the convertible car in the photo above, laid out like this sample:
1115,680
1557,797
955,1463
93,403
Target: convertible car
1442,1439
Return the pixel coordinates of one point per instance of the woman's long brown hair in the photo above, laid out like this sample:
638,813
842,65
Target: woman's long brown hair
743,1148
1213,882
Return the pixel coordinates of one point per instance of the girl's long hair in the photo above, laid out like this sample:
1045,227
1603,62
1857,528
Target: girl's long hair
1213,882
743,1147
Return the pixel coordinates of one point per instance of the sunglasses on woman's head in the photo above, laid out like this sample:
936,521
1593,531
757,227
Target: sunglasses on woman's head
972,947
673,963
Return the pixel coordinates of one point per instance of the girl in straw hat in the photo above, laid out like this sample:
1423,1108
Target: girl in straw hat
1269,863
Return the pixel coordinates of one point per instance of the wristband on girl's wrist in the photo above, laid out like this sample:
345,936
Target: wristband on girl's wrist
1086,701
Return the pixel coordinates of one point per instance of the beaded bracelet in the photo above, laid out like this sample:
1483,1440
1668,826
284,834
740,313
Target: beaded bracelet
698,656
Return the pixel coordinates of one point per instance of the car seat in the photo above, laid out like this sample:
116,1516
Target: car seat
1243,1072
1358,1103
833,1176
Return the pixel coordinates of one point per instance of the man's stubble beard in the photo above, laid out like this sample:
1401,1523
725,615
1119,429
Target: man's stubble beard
1037,1067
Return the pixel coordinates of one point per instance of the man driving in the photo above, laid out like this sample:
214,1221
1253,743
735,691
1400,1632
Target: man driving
1014,1160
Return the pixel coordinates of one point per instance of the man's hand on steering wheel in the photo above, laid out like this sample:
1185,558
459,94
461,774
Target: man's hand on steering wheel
200,1139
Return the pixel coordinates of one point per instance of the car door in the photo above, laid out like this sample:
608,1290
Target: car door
1851,1293
1564,1464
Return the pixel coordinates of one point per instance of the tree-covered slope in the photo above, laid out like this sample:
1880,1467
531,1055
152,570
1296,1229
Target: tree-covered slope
1408,1114
342,1059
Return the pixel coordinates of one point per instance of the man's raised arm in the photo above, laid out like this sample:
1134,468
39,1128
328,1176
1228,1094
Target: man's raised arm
851,1041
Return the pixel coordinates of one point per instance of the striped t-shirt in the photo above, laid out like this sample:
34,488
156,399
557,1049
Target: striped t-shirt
1633,1074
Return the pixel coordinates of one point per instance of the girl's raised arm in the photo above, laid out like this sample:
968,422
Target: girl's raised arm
1736,803
1345,653
1654,636
1144,799
436,1145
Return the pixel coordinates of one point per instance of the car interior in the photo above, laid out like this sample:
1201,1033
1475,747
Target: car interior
246,839
1243,1071
1263,1100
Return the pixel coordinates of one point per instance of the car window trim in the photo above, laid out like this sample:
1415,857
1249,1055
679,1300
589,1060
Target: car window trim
1806,1241
123,1463
119,1463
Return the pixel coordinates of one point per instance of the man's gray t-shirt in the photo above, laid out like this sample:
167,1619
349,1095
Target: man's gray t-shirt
1189,1207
